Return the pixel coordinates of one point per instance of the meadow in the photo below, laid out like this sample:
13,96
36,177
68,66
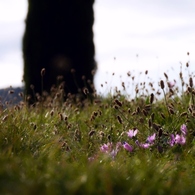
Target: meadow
110,145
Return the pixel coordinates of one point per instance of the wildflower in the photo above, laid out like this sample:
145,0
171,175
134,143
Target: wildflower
171,84
106,147
172,140
114,152
132,133
183,129
180,139
127,147
91,159
151,139
142,145
145,145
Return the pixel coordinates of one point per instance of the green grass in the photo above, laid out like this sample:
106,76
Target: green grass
54,146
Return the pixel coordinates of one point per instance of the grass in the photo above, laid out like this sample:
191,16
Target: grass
78,147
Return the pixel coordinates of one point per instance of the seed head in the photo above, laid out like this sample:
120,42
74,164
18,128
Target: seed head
116,107
183,114
180,75
91,133
118,102
83,77
189,89
160,132
166,75
119,119
162,115
32,87
11,91
129,74
5,118
52,112
191,82
95,113
138,110
72,71
147,107
85,91
145,112
156,126
93,72
43,72
134,113
162,84
123,85
171,111
151,98
61,116
129,110
21,94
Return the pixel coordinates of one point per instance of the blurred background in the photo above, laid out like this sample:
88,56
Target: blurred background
129,35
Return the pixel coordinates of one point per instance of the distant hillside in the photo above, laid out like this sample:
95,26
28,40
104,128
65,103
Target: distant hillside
10,95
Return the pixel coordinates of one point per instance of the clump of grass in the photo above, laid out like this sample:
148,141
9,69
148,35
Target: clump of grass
112,145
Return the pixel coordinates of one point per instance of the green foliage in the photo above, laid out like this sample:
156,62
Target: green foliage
53,147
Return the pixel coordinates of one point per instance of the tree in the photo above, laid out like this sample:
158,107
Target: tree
58,37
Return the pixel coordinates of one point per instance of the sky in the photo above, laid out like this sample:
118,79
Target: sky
12,15
129,35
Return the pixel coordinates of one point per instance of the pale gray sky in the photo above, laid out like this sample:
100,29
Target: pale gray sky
12,14
141,34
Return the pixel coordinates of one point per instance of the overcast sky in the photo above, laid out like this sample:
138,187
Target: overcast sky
129,35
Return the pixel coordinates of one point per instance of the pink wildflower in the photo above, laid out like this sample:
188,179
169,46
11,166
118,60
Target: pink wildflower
145,145
151,139
106,147
172,140
171,84
132,133
183,129
128,147
110,150
180,139
142,145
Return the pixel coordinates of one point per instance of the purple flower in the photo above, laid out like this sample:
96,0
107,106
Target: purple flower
180,139
183,129
151,139
171,84
172,140
141,145
132,133
127,147
110,150
106,147
145,145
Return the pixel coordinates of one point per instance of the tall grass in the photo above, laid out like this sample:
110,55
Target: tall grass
112,145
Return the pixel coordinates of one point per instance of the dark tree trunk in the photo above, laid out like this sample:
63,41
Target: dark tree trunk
58,37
